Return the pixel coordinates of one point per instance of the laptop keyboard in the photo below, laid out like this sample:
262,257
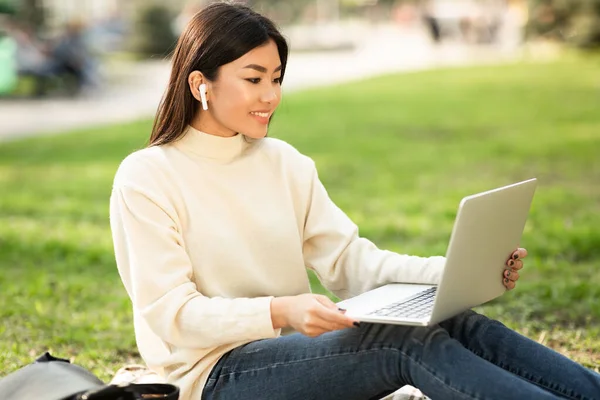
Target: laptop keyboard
417,307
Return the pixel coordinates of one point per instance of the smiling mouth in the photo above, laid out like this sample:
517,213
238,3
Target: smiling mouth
260,114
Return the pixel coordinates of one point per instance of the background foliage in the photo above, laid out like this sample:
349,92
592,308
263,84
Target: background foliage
397,153
576,22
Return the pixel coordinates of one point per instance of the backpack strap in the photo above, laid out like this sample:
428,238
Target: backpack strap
132,391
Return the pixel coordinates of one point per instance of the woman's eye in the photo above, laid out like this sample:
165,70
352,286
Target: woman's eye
256,81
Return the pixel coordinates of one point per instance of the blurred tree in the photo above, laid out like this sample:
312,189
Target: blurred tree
153,31
7,7
283,12
574,21
31,12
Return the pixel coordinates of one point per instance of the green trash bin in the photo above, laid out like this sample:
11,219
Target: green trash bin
8,67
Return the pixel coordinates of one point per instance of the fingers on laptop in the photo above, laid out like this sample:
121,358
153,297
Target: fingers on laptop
519,253
510,285
515,264
511,275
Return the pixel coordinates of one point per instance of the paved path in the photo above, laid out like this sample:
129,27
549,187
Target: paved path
136,88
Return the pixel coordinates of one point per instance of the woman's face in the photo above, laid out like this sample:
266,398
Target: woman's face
244,96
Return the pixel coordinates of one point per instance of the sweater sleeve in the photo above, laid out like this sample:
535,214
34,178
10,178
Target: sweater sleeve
349,265
158,277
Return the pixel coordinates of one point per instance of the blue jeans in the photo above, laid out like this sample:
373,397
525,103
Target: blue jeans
466,357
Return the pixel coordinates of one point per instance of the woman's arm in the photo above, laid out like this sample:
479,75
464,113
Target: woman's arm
348,264
158,276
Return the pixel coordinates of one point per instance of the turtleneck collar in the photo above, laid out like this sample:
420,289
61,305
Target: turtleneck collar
205,145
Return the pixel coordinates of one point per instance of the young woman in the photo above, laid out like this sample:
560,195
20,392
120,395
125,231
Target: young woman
214,225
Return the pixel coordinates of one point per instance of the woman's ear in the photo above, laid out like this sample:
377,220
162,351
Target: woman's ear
195,79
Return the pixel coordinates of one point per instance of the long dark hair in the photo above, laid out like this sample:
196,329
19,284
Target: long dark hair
217,35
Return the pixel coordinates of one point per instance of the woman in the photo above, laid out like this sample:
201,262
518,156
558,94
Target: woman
214,226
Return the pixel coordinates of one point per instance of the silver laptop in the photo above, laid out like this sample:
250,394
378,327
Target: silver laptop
487,229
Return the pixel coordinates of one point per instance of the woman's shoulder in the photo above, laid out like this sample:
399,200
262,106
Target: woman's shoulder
140,166
285,152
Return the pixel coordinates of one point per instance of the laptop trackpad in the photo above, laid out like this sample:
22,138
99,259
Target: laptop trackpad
380,297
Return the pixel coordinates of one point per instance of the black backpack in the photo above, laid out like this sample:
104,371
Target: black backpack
51,378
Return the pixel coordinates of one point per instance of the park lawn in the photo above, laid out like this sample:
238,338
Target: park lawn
397,153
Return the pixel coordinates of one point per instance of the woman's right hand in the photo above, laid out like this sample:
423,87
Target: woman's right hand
309,314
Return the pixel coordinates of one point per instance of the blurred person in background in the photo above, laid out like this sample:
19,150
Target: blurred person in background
66,61
214,225
8,67
32,56
72,55
431,21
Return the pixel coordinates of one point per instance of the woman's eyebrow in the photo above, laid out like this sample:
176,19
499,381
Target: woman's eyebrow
260,68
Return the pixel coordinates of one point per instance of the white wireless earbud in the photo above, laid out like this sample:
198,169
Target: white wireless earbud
202,90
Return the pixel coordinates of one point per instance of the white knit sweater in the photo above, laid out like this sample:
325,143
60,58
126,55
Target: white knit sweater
207,230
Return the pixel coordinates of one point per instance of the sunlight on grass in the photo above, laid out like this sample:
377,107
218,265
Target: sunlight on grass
397,153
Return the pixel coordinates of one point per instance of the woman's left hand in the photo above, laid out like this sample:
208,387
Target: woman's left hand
514,264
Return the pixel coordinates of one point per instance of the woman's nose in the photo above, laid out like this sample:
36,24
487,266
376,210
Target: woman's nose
269,95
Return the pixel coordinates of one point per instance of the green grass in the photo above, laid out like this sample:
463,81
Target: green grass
397,153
